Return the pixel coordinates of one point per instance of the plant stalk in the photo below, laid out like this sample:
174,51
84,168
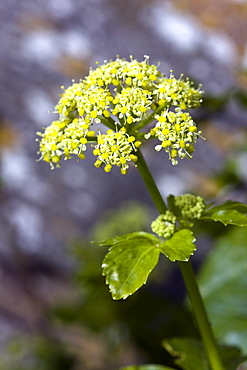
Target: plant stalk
207,335
188,275
150,183
150,117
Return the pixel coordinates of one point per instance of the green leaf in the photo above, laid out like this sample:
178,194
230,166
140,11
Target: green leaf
227,217
129,262
118,239
189,354
147,367
180,246
223,283
237,206
230,212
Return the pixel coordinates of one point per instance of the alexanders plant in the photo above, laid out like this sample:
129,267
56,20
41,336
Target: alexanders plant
129,103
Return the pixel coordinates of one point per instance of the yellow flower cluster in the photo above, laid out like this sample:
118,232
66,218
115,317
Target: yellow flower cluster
131,104
125,95
79,101
180,93
63,139
116,148
123,72
177,133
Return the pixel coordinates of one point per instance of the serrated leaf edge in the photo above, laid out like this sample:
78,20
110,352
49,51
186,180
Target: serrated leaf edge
176,259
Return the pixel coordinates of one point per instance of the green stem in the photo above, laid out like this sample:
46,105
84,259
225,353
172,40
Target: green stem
150,117
150,183
208,339
109,122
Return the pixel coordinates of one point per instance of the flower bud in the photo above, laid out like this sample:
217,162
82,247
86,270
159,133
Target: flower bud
164,225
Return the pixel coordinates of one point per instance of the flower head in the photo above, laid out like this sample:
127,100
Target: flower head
179,92
116,149
131,104
164,225
123,72
188,208
64,139
177,133
191,205
125,96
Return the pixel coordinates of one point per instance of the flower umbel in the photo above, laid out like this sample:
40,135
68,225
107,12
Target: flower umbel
62,138
191,205
188,209
116,148
125,96
177,133
164,225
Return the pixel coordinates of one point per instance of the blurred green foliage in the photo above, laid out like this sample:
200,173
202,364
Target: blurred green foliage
37,353
189,354
223,282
